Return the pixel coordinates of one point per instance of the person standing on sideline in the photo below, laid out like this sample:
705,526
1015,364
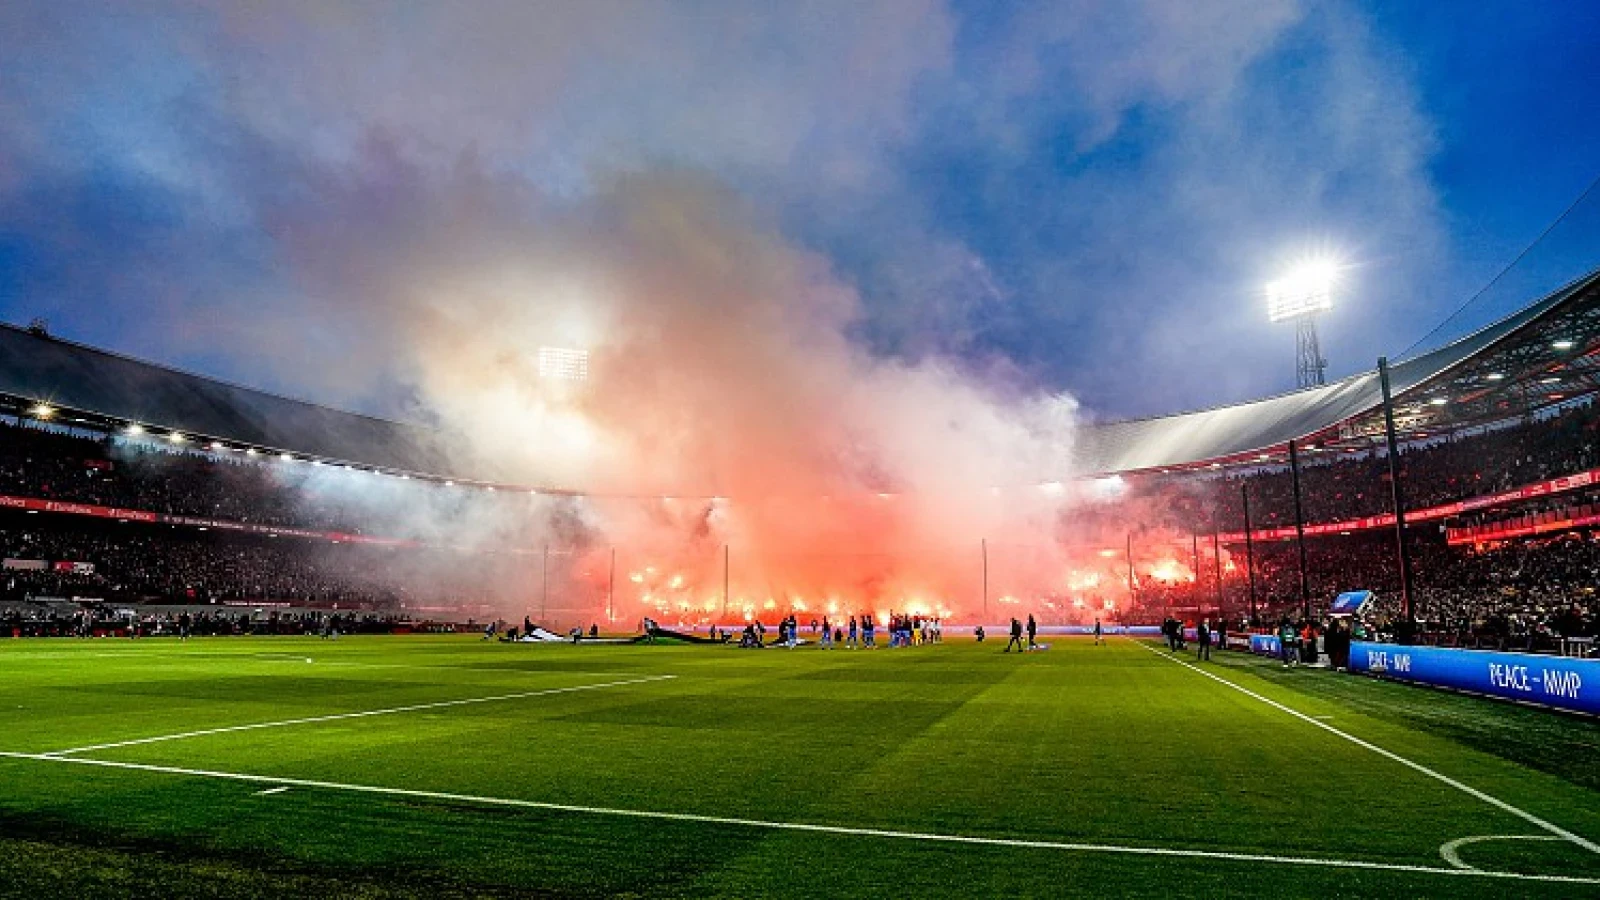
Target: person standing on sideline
1203,633
1016,637
1098,637
1288,638
827,635
850,636
1033,631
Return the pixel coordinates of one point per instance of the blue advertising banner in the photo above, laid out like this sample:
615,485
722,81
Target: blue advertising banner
1266,644
1533,678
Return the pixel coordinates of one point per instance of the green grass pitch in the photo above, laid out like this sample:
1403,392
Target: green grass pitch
583,771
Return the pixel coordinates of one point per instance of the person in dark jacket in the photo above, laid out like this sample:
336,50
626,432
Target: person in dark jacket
1016,636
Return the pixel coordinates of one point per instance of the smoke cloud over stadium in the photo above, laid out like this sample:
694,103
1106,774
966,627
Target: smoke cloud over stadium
838,276
725,401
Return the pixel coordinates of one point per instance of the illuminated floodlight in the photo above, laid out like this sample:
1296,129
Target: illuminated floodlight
218,445
135,429
1495,376
1052,487
250,451
1307,290
1109,486
563,363
449,484
1551,380
1437,401
43,411
1562,344
176,438
286,457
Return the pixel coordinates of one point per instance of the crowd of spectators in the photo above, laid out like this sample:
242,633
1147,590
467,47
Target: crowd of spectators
137,564
1524,594
104,620
56,464
1356,485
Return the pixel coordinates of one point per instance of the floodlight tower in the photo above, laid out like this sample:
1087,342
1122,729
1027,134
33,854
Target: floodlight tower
1302,295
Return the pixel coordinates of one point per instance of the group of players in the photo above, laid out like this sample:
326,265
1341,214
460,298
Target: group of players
905,630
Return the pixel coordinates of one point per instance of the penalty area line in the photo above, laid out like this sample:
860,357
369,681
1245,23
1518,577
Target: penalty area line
1467,789
839,830
361,714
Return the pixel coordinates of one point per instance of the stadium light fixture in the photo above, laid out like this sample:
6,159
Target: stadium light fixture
1551,380
449,484
218,445
1437,401
250,452
43,411
1305,290
1562,344
563,363
1109,486
135,429
286,457
176,437
1495,376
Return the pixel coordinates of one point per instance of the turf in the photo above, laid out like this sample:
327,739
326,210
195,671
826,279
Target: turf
1113,746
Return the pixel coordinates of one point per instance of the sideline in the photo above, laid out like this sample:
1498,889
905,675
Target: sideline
1523,814
349,715
806,827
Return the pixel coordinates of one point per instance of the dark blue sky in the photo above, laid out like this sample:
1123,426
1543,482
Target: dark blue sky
1083,197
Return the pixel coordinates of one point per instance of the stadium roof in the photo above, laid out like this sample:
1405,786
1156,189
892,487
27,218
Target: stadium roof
100,389
1544,355
1541,356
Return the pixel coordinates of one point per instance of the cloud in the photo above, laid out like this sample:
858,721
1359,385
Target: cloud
815,251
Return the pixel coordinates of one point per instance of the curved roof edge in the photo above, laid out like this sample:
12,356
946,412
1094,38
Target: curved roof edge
1224,432
119,388
63,373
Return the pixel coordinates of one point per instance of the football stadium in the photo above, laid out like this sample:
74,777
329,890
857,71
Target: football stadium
540,452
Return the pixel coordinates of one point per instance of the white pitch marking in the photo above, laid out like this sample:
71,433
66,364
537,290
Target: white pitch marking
1022,843
1389,754
1448,849
284,787
355,715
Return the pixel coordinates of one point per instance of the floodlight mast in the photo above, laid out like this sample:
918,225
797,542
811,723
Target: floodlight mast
1302,295
1310,366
